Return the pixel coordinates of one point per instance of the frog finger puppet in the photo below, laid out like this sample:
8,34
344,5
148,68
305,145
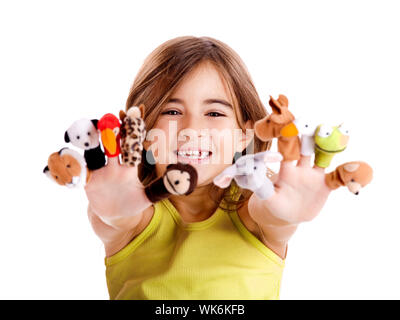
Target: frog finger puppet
328,142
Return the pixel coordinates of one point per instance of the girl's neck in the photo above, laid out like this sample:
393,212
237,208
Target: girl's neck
196,206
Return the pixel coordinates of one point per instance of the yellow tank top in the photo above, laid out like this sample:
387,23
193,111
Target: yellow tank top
217,258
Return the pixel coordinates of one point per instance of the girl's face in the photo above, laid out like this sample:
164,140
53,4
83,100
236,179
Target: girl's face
198,126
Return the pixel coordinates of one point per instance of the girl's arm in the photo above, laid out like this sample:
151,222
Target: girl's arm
300,194
118,208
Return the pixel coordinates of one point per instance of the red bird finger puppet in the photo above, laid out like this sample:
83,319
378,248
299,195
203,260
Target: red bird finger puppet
133,133
178,179
83,134
354,175
67,168
280,125
109,127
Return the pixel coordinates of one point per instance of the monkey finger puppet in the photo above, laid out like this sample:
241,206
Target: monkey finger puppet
133,133
178,179
109,127
67,168
328,142
353,175
83,134
279,124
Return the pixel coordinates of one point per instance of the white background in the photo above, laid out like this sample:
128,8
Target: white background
61,61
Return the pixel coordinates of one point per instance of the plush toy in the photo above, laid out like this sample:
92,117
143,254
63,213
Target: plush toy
250,172
354,175
328,142
178,179
280,125
306,129
83,134
133,133
68,168
109,127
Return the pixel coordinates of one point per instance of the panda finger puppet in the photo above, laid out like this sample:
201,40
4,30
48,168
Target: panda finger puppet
178,179
84,135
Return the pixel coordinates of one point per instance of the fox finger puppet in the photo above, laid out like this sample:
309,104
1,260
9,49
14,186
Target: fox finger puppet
280,125
250,172
67,168
328,142
133,133
83,134
178,179
353,175
109,127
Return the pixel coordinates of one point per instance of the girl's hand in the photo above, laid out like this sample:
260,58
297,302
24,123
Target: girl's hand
300,194
116,199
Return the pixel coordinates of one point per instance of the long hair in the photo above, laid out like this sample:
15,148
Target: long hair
164,69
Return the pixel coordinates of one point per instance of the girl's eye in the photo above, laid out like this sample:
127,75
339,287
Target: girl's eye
169,112
216,114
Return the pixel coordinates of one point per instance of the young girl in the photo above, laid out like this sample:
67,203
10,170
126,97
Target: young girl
214,243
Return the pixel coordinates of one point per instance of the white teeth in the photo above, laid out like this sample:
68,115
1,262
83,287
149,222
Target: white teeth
194,154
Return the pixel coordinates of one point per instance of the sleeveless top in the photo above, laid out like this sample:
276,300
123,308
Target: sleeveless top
217,259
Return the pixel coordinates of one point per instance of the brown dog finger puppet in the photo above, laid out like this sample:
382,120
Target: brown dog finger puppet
133,133
67,168
178,179
279,124
353,175
109,127
84,135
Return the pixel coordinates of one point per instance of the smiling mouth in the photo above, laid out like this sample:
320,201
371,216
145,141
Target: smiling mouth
328,151
194,154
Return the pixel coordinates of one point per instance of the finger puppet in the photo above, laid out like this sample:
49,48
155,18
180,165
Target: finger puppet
84,135
280,125
354,175
68,168
328,142
178,179
306,129
250,172
133,133
109,127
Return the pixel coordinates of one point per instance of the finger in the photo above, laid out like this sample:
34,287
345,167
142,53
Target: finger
319,168
113,161
286,164
304,161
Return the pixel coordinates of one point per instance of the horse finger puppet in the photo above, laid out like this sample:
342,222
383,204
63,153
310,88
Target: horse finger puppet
133,133
250,172
280,125
109,127
353,175
328,142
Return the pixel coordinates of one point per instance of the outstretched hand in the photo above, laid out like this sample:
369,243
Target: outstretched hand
300,192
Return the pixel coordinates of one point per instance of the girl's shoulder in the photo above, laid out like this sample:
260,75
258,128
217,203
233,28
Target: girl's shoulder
248,222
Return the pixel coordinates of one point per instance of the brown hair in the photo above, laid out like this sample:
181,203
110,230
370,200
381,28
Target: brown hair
164,69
